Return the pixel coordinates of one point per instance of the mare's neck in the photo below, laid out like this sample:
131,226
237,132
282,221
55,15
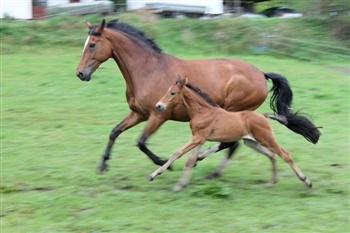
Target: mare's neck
133,58
194,103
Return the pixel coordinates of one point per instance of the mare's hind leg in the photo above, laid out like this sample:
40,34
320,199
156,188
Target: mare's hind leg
286,157
186,176
131,120
232,147
250,142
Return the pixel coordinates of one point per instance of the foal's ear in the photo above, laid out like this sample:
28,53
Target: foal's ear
100,27
88,24
178,80
186,80
182,83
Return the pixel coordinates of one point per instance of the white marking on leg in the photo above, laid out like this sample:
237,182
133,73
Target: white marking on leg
86,42
208,152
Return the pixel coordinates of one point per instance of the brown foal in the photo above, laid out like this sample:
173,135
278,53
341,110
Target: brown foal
209,122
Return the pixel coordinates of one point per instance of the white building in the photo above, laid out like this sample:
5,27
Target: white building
210,6
27,9
21,9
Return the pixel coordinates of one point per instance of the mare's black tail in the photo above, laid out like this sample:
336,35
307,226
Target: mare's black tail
280,103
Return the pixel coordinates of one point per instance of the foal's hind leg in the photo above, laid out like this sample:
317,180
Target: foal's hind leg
271,155
213,149
286,157
219,170
186,176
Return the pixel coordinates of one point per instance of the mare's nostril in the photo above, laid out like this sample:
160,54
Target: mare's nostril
80,74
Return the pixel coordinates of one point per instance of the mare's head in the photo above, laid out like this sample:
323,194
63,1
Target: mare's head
97,49
174,90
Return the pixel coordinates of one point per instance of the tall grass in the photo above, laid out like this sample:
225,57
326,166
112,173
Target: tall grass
224,35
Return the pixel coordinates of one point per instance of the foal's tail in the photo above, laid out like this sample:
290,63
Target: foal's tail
280,103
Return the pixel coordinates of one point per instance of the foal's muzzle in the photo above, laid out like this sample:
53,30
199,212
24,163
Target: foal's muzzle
160,107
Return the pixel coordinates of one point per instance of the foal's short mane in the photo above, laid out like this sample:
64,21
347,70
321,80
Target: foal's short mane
204,95
132,31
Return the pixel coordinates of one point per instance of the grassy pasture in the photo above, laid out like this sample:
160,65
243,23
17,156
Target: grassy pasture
55,127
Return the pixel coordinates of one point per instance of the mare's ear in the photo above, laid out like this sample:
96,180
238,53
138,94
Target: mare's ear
88,24
100,27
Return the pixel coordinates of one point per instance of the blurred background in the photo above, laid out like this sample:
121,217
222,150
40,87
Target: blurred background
319,27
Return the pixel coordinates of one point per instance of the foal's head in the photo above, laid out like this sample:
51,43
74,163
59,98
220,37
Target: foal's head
173,91
97,50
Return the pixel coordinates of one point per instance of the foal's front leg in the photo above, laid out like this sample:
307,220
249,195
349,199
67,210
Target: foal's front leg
184,149
186,176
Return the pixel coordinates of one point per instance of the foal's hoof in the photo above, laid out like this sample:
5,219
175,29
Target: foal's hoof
150,178
270,184
309,184
177,188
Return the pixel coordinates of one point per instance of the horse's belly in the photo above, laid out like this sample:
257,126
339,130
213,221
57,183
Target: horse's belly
225,134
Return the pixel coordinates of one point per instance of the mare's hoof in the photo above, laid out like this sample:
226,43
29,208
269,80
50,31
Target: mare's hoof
212,176
103,168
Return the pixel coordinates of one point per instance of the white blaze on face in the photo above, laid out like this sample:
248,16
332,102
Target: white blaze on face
86,42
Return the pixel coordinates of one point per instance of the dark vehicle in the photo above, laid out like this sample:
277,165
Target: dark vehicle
281,12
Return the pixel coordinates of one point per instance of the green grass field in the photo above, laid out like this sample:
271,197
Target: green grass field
55,128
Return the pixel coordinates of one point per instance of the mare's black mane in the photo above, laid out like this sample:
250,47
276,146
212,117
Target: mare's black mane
132,31
204,95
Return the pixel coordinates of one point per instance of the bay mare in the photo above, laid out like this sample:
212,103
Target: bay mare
233,84
209,122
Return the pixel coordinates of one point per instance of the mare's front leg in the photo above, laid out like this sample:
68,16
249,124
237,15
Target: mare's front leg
184,149
131,120
154,122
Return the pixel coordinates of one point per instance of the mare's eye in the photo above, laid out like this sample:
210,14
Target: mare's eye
172,93
92,46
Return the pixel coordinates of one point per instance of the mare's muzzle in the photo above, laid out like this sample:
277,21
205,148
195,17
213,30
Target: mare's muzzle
84,75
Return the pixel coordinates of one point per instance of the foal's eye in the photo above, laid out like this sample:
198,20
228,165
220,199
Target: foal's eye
172,93
92,46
